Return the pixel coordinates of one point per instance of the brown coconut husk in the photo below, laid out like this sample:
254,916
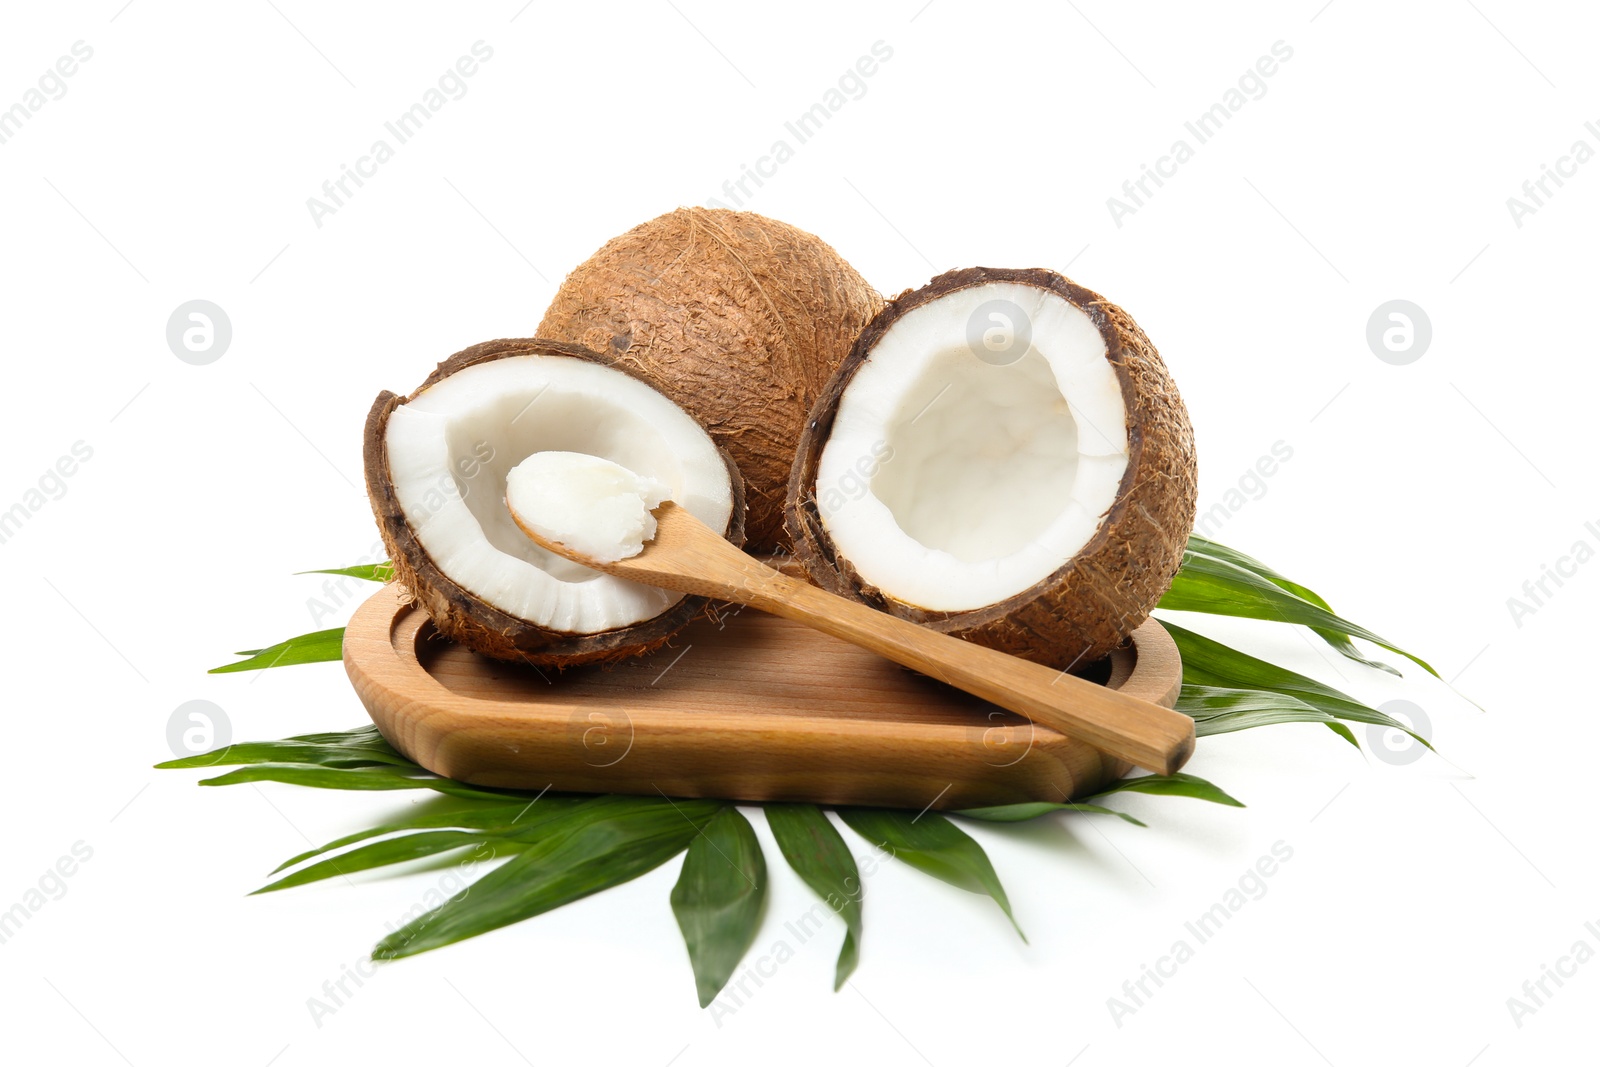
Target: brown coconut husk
459,614
738,318
1089,606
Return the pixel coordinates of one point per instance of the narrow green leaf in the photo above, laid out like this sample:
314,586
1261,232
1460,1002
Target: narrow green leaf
601,843
290,752
372,777
818,854
1032,809
367,572
718,899
934,845
1225,690
503,820
1344,731
1222,711
1204,547
1176,785
1210,584
380,854
319,647
367,735
1171,785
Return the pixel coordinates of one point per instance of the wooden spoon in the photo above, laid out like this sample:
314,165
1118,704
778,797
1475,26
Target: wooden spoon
690,557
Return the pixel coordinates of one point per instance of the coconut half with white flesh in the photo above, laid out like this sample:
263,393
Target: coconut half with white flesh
1004,457
437,464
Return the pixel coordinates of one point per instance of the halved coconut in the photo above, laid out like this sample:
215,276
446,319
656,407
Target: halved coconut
436,466
1003,457
737,317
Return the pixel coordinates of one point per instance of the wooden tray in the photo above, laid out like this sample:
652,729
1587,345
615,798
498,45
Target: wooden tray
751,707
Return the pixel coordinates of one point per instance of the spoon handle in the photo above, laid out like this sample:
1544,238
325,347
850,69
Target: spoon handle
1147,735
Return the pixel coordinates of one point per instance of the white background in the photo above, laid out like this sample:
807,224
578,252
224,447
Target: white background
1419,499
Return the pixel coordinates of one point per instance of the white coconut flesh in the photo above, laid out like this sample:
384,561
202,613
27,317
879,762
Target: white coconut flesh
951,482
451,447
593,506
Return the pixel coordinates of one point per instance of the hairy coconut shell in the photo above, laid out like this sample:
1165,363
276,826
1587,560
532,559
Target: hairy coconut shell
1092,603
738,318
458,613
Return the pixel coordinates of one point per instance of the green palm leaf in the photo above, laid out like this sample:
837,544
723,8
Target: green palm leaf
500,820
353,749
934,845
380,854
817,853
718,899
367,572
1218,586
1171,785
601,843
1032,809
1225,689
319,647
379,777
1202,547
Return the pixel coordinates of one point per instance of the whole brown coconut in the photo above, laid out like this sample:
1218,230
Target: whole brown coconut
1085,608
738,318
469,618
